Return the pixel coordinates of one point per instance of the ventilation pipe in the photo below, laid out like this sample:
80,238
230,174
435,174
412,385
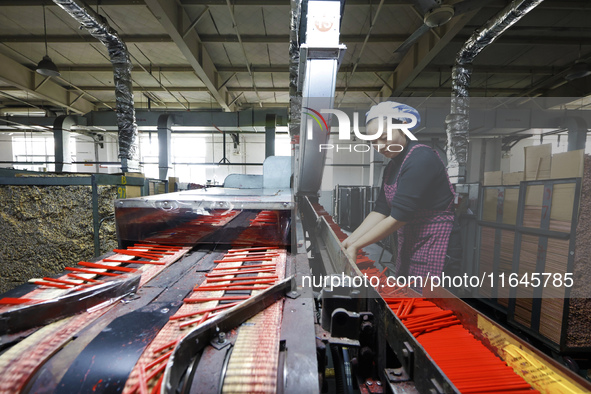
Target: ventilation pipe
458,121
98,27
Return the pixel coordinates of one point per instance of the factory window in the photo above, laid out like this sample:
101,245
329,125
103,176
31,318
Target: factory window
149,154
188,151
36,152
283,145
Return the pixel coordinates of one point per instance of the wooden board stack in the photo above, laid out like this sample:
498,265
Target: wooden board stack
556,314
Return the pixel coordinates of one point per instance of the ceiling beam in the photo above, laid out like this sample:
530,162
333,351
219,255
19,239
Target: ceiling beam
25,3
22,78
577,88
548,4
284,68
174,19
284,38
108,69
129,39
507,39
361,89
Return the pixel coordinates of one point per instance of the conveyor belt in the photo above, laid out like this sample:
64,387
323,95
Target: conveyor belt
471,367
125,347
206,301
254,361
38,347
448,350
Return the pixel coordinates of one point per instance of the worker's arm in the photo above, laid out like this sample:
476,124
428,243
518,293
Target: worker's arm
370,221
380,231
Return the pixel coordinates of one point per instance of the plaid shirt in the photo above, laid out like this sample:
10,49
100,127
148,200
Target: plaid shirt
422,242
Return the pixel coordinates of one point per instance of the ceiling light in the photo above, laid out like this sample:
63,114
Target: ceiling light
46,67
439,16
579,70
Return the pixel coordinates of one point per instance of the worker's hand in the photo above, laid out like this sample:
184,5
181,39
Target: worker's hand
346,243
351,252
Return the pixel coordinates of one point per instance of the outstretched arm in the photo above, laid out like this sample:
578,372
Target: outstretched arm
377,232
369,222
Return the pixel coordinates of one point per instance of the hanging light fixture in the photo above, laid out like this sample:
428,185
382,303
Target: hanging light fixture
46,66
578,70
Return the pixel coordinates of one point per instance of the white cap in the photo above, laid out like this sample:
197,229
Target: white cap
394,110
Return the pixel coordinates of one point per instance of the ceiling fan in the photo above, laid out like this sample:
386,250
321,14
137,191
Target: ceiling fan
435,14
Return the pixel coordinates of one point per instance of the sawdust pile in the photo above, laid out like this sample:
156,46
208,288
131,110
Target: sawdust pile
579,315
44,228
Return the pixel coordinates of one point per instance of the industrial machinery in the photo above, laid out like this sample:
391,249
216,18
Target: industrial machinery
208,293
250,290
200,296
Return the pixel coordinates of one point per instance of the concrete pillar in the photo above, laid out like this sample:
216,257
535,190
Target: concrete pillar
270,124
61,135
493,154
475,163
165,123
577,133
6,151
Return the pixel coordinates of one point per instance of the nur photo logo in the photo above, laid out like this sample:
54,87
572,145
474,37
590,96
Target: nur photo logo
388,121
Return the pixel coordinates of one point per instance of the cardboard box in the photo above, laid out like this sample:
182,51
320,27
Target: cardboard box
493,178
538,160
172,181
131,191
513,178
134,174
563,200
127,191
567,164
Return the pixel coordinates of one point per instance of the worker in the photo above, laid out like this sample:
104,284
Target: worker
416,200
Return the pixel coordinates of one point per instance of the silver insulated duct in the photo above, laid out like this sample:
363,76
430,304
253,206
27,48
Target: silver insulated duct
98,27
458,120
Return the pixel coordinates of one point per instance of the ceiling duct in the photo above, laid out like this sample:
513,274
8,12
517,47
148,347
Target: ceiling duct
458,120
98,27
24,111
